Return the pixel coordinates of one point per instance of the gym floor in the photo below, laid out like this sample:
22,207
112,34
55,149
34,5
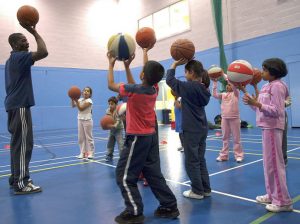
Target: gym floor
85,191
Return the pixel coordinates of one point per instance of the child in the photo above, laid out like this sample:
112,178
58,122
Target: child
18,101
141,151
116,131
269,107
178,118
194,97
85,124
230,121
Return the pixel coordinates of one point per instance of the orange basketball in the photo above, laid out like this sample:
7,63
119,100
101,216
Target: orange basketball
74,92
256,76
28,15
105,121
145,37
182,48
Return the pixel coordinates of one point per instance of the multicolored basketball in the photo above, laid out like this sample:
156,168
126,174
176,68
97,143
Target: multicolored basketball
182,48
215,72
106,121
256,76
74,92
28,15
121,46
145,37
240,72
121,108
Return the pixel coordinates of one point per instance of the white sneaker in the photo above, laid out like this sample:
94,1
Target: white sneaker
221,159
263,199
90,155
277,208
239,160
80,156
29,189
191,194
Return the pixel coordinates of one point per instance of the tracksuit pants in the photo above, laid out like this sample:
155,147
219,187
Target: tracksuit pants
141,154
21,144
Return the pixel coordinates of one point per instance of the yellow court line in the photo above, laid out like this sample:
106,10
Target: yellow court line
52,168
270,214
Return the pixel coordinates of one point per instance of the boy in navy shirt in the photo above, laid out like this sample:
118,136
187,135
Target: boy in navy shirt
141,151
19,99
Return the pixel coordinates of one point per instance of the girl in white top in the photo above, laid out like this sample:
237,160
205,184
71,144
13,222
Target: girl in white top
85,124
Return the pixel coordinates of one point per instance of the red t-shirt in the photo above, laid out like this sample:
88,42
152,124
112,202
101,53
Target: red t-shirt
140,114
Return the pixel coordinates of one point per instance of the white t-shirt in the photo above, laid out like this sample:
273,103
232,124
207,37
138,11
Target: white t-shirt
87,113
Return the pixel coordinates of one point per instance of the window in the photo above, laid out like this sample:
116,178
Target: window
169,21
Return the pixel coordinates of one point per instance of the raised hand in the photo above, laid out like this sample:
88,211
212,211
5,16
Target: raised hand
111,59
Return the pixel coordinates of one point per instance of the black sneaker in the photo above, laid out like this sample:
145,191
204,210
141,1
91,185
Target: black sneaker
165,212
126,217
29,189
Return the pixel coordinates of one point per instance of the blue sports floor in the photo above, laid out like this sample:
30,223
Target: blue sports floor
77,191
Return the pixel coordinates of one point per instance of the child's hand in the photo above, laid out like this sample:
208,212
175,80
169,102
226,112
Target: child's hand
149,47
288,101
128,61
251,100
242,88
179,62
111,59
30,29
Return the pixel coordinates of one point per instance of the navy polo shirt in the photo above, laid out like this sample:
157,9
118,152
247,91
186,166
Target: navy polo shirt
18,83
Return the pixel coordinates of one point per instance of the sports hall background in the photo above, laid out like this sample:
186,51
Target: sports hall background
76,33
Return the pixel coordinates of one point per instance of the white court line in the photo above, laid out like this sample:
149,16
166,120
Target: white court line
233,168
47,160
48,164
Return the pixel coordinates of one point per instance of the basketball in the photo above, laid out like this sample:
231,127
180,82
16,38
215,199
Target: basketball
121,46
145,37
28,15
121,108
215,72
105,121
74,92
240,72
256,76
182,48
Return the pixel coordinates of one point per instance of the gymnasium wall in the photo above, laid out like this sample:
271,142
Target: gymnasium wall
253,30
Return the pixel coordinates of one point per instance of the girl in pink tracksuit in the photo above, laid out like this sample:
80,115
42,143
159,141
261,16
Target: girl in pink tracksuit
270,116
230,121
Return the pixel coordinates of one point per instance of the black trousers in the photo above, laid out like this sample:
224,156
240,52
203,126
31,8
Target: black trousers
195,163
21,144
141,154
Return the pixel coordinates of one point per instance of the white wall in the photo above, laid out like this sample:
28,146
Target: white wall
75,40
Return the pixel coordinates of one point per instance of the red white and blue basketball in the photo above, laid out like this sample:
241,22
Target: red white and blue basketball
121,46
240,72
121,108
215,72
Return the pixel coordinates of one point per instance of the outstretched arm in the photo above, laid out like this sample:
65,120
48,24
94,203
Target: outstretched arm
41,51
110,76
127,63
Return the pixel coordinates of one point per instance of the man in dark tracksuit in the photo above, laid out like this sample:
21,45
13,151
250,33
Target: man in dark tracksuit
19,99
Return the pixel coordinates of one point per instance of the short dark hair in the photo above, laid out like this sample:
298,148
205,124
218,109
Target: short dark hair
196,67
153,72
276,67
113,99
13,38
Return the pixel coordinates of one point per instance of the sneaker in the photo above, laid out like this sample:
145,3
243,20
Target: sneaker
206,194
239,160
90,155
221,159
191,194
29,189
263,199
80,156
126,217
108,158
277,208
165,212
